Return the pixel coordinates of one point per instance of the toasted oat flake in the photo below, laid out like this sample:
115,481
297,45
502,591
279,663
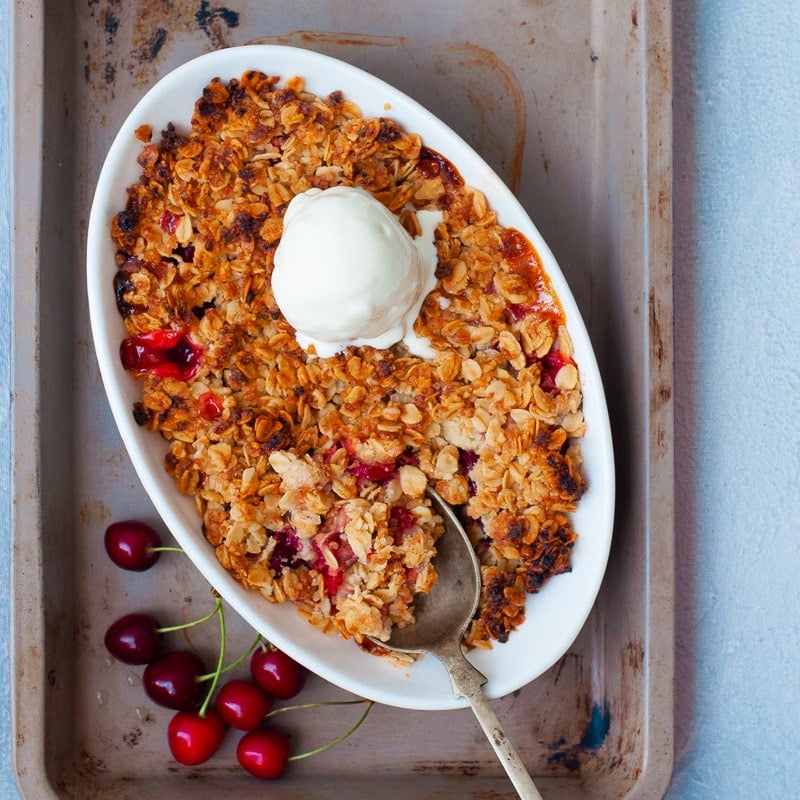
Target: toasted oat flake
310,473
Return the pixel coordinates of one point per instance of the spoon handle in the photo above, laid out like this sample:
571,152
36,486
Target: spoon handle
468,682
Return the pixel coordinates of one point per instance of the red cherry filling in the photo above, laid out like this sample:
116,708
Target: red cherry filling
376,472
185,251
551,364
209,406
287,546
335,543
517,311
467,459
169,222
167,353
401,521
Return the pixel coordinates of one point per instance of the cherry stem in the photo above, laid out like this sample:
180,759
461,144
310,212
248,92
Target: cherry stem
338,739
215,680
228,667
244,655
184,625
165,549
298,706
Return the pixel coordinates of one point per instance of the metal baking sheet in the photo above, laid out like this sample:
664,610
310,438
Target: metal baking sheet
570,102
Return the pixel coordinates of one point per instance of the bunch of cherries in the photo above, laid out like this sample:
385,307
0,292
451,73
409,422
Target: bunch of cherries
175,679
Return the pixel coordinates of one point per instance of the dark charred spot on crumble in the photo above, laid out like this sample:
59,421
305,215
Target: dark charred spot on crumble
148,159
549,555
210,109
568,485
242,416
171,140
543,441
516,530
275,442
533,580
141,416
244,226
444,269
237,92
280,97
335,99
200,311
122,286
389,131
206,108
384,368
157,269
127,220
236,379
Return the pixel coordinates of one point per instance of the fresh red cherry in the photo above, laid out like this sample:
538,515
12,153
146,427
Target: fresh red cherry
263,753
193,738
242,704
277,674
171,680
130,545
134,639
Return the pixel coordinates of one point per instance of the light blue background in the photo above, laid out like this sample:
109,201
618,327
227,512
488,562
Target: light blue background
737,391
737,395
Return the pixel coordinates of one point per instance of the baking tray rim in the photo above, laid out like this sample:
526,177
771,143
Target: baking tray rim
25,115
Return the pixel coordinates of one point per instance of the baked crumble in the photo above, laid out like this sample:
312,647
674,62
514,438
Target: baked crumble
310,473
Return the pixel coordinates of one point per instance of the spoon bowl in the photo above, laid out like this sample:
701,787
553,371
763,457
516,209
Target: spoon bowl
443,613
441,617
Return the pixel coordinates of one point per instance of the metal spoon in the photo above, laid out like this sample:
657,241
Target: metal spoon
442,616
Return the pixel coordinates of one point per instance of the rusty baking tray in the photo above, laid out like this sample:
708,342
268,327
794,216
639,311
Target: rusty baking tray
570,102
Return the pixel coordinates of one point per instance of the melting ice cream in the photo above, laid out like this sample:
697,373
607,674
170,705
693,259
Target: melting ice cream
348,273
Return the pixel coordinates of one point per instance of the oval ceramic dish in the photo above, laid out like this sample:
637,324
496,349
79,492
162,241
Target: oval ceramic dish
556,615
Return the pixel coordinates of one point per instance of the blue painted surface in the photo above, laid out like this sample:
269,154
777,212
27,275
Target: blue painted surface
737,392
737,289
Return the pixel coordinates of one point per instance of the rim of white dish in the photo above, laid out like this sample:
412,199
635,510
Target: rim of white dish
556,615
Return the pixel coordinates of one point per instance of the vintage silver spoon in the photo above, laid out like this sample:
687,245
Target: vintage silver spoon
442,616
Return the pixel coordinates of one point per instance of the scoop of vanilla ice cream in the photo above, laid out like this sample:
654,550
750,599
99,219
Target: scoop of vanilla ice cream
346,272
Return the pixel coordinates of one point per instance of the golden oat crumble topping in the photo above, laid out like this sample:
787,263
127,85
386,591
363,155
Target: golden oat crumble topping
309,473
